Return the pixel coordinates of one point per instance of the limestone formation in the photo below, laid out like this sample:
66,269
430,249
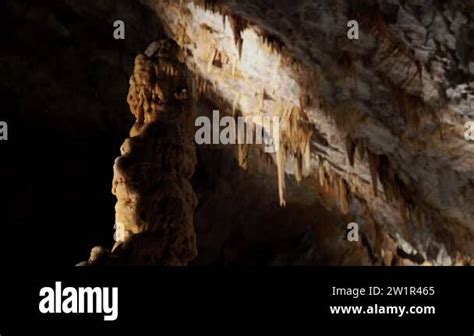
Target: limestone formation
379,119
155,200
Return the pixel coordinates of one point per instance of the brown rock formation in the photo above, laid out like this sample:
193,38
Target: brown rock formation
398,97
155,201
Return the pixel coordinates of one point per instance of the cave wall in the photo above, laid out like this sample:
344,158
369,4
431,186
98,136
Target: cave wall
399,97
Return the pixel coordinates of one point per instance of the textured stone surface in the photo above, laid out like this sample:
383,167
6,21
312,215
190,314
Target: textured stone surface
393,102
155,201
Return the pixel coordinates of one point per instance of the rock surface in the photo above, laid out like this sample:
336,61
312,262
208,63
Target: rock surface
155,201
387,111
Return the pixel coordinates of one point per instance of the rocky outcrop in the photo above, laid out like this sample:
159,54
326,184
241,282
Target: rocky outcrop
385,113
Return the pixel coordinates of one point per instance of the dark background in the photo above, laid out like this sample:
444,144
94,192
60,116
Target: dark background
63,87
291,301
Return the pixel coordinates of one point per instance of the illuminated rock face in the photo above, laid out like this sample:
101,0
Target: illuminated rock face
155,201
382,116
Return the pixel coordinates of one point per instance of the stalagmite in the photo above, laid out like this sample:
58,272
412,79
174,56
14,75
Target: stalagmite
155,200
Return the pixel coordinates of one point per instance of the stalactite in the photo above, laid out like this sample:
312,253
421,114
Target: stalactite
374,168
297,169
408,106
394,51
332,178
397,192
328,177
351,147
214,6
243,155
235,104
332,182
182,40
413,109
295,136
321,172
273,43
242,144
362,148
265,157
281,163
343,195
386,176
238,25
203,87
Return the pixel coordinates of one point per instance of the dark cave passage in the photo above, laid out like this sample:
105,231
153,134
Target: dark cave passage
64,136
57,193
